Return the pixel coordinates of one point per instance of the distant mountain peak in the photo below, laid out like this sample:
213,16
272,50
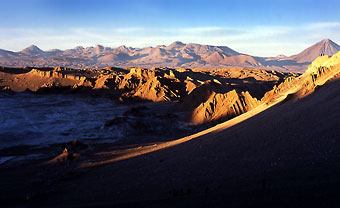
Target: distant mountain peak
99,49
177,54
329,43
79,47
54,50
123,47
177,43
281,56
327,40
32,50
324,47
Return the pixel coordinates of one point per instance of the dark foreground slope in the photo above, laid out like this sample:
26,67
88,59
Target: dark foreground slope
285,156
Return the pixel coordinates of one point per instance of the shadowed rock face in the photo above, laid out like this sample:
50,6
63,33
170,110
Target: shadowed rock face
174,55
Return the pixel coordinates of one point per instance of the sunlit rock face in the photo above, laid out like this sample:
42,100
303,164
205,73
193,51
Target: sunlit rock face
203,95
212,101
321,70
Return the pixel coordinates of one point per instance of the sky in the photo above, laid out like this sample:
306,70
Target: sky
262,28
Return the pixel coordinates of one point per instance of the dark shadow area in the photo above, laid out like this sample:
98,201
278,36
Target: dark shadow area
15,70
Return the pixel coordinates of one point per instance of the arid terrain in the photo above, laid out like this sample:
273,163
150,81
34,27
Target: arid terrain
169,103
195,92
254,138
175,55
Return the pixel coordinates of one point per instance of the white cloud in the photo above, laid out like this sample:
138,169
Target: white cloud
323,25
128,30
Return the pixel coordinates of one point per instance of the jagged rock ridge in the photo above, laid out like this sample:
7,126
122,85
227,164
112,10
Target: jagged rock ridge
205,96
321,70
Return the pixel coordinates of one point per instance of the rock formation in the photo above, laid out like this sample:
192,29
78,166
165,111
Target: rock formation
220,107
321,70
203,95
211,101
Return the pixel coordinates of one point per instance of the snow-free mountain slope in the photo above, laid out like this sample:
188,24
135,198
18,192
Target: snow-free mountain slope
324,47
175,55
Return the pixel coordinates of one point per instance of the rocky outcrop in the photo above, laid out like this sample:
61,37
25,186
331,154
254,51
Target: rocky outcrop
148,84
320,71
152,85
220,107
214,102
201,94
158,89
36,79
223,106
204,95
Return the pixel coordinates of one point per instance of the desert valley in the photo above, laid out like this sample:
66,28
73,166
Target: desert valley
255,132
181,103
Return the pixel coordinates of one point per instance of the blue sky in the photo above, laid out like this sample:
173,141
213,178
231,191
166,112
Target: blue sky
265,28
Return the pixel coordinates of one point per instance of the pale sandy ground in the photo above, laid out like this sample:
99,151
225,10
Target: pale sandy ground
284,156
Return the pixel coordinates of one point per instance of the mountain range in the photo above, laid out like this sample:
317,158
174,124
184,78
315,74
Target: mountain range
175,55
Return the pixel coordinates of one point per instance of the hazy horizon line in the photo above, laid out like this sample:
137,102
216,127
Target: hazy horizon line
264,41
112,47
